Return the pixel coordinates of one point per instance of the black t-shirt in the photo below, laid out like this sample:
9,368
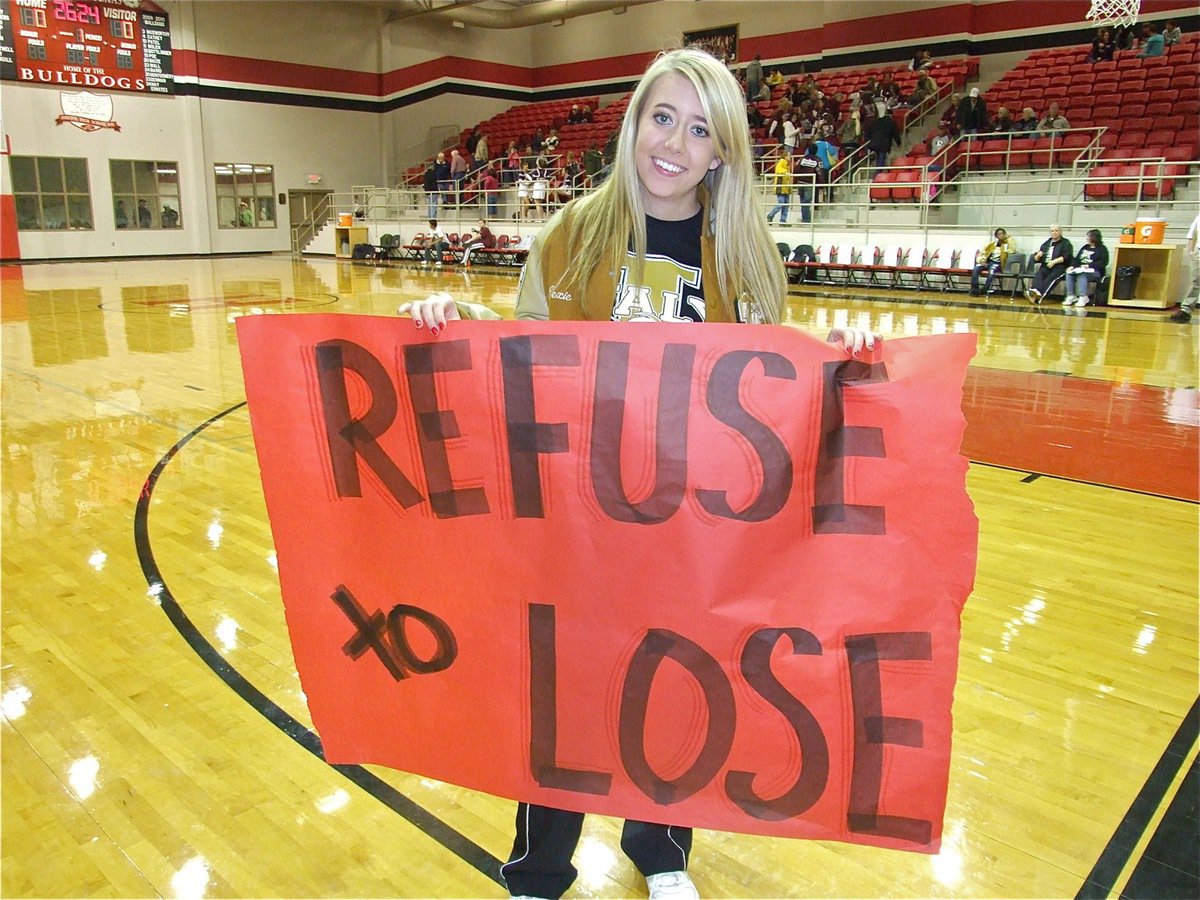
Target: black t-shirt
672,290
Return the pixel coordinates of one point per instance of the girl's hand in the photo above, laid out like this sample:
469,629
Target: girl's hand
435,311
853,340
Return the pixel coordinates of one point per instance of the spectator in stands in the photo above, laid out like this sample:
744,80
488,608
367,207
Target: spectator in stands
776,77
1154,44
991,259
444,179
535,143
587,112
950,114
881,133
458,172
1052,257
431,190
972,113
922,60
851,134
539,191
483,238
550,144
754,76
572,176
435,243
925,87
575,116
782,178
810,175
1054,123
754,118
941,140
524,183
512,164
1103,46
764,92
1004,122
1086,269
827,153
593,160
472,142
481,150
491,190
1172,34
1027,122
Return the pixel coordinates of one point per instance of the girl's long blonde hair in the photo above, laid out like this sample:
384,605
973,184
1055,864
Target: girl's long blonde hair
606,224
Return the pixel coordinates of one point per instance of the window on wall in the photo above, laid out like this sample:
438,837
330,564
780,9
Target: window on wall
51,193
145,193
245,195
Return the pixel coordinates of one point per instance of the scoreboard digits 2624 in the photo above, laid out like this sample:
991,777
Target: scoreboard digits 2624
121,45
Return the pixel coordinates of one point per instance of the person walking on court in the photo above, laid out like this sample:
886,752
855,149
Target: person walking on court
679,204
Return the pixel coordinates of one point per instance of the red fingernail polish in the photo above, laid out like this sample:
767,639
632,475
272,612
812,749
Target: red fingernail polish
433,330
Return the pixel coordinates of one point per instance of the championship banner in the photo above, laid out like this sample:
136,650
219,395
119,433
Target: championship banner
706,576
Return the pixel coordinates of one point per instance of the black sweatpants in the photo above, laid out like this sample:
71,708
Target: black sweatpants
540,862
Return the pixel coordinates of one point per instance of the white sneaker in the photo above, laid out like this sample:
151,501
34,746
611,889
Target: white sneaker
671,886
1069,300
1081,301
1035,295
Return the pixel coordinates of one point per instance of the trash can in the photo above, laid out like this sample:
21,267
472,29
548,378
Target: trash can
1126,284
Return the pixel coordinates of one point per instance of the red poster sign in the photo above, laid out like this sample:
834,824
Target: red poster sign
707,576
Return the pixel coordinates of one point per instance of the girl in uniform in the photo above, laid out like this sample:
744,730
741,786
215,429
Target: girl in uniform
678,205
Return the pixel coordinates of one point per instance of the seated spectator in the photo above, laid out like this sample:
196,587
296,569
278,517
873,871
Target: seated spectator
539,138
587,113
1004,122
754,118
1027,122
925,87
1086,269
435,243
923,60
1103,46
1053,257
1054,123
776,77
550,144
1172,34
575,116
1154,44
483,238
991,259
764,93
941,140
950,114
972,113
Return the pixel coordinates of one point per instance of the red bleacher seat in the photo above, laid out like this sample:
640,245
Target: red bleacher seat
992,154
1021,152
881,186
1126,190
1043,153
1098,186
906,185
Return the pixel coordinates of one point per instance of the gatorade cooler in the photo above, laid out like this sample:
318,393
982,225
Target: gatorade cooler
1149,231
345,220
1127,233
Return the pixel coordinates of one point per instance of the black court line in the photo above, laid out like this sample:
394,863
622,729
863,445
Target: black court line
1101,880
458,844
1099,484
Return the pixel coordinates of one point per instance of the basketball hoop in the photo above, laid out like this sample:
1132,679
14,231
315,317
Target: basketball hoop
1115,12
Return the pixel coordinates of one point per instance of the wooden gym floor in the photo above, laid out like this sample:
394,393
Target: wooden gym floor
155,742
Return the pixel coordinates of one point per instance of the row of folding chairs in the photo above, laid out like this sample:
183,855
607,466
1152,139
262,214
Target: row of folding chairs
508,251
891,266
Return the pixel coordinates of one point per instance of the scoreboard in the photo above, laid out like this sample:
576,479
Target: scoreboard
105,44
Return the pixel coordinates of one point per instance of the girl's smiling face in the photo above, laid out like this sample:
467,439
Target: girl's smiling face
674,149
